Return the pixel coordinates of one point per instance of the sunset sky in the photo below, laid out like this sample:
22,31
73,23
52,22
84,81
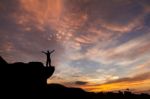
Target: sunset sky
100,45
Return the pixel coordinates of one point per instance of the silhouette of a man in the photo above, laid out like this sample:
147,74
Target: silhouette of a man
48,54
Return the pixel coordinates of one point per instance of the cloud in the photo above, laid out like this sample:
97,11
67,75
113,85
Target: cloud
128,51
85,65
139,82
142,66
81,83
131,49
139,77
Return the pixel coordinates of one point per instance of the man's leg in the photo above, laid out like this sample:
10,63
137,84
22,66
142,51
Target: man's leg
50,62
47,63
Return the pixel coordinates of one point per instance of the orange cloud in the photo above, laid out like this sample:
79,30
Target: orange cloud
39,14
139,82
43,10
50,14
137,23
119,86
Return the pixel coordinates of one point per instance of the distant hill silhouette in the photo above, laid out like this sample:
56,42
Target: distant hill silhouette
28,80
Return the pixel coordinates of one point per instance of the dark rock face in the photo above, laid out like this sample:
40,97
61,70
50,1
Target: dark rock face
24,79
2,61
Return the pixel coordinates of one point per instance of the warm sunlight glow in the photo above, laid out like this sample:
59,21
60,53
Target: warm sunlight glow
120,86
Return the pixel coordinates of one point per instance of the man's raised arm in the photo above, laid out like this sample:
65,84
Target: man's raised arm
43,52
52,51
